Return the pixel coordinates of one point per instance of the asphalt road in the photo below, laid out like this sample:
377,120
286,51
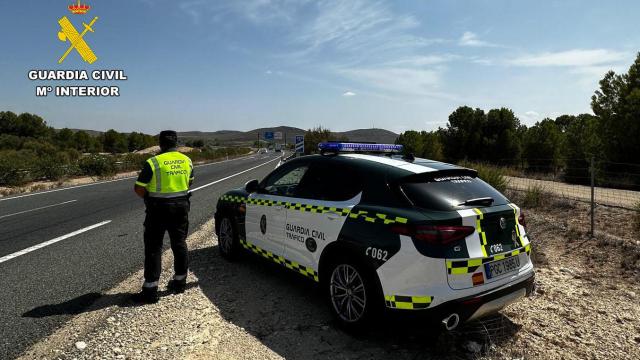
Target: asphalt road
93,238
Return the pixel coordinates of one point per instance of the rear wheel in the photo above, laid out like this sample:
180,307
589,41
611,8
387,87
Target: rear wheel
228,243
353,294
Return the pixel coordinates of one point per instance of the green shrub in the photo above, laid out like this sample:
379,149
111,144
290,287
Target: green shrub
131,162
53,167
492,175
533,196
16,167
97,165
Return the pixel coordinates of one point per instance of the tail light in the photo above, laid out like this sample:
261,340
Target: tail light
436,234
521,219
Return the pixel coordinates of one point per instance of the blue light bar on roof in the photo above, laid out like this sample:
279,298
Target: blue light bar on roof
359,147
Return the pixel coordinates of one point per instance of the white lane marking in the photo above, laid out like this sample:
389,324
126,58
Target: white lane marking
230,176
36,209
102,182
53,241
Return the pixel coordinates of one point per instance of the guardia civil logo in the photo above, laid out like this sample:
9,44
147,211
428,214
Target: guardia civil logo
76,40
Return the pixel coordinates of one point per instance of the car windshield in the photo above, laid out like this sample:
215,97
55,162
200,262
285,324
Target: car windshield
450,193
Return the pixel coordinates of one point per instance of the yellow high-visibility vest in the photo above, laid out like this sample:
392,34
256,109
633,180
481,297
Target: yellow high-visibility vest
172,172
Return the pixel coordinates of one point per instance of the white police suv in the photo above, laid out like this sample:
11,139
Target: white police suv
379,230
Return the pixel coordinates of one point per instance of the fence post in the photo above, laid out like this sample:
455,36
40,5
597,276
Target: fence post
592,169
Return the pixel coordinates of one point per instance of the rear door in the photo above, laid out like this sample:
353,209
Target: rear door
317,215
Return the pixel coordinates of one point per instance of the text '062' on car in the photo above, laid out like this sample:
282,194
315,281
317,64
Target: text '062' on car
380,230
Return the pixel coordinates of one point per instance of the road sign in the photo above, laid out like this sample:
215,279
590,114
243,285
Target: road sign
277,135
268,135
300,144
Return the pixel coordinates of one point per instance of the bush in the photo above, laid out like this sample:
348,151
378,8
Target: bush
131,162
492,175
16,167
53,167
97,165
533,196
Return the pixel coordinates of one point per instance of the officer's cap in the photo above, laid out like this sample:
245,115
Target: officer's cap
168,138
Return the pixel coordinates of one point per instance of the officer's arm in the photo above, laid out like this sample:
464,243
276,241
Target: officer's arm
143,179
192,176
140,191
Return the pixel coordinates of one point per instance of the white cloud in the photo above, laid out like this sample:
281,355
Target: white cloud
349,94
399,81
255,11
471,39
360,29
530,117
571,58
268,72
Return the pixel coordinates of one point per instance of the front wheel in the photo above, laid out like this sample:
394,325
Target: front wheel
353,294
228,243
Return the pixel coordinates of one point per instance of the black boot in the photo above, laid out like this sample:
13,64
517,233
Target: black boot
148,295
177,286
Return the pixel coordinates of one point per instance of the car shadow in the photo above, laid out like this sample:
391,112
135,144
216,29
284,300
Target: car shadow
286,313
89,302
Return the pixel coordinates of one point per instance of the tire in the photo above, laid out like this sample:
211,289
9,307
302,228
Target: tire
353,293
228,241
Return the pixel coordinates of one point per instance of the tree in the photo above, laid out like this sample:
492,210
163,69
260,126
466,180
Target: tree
583,142
543,145
617,103
500,139
463,137
65,138
86,143
29,125
411,141
424,144
317,135
115,142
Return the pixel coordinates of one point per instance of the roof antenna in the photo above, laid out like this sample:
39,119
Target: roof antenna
409,157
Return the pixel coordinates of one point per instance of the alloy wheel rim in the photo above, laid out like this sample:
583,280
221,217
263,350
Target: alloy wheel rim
226,235
348,295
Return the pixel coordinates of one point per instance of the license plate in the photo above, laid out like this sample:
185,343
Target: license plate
501,267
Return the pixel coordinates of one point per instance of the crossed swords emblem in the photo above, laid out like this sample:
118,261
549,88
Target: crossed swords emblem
76,39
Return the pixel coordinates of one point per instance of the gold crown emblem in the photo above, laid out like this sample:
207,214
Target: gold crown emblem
79,9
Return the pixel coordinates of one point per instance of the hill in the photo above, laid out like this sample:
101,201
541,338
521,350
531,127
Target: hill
244,137
372,135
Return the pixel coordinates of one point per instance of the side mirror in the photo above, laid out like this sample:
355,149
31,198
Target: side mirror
252,186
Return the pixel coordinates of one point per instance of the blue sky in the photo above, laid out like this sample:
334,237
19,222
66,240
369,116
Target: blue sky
213,65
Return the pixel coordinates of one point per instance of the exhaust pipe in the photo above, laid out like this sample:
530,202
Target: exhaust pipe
451,322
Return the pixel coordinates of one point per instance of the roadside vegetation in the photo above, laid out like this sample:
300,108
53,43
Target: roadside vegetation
562,147
30,150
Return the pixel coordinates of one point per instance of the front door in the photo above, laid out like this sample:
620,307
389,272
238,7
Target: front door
266,210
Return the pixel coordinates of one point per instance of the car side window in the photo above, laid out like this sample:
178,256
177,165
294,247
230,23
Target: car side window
330,182
285,183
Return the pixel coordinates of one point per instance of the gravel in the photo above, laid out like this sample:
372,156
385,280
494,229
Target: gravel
585,308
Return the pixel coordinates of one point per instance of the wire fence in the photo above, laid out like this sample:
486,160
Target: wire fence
595,182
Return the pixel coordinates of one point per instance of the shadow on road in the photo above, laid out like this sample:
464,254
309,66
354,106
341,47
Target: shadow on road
285,312
88,303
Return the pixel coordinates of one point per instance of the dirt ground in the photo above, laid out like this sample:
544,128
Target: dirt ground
587,307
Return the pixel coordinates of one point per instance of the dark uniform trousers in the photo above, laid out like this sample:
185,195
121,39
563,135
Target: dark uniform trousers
165,215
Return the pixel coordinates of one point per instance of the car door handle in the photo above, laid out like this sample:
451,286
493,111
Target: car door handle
332,215
278,207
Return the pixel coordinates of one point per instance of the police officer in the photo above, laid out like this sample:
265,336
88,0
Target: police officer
164,183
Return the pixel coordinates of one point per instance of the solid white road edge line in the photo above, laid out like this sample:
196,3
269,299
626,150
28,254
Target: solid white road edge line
36,209
53,241
230,176
107,181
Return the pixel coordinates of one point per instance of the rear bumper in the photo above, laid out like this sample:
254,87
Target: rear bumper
477,305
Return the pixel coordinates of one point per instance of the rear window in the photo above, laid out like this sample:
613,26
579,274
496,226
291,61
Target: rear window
447,193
